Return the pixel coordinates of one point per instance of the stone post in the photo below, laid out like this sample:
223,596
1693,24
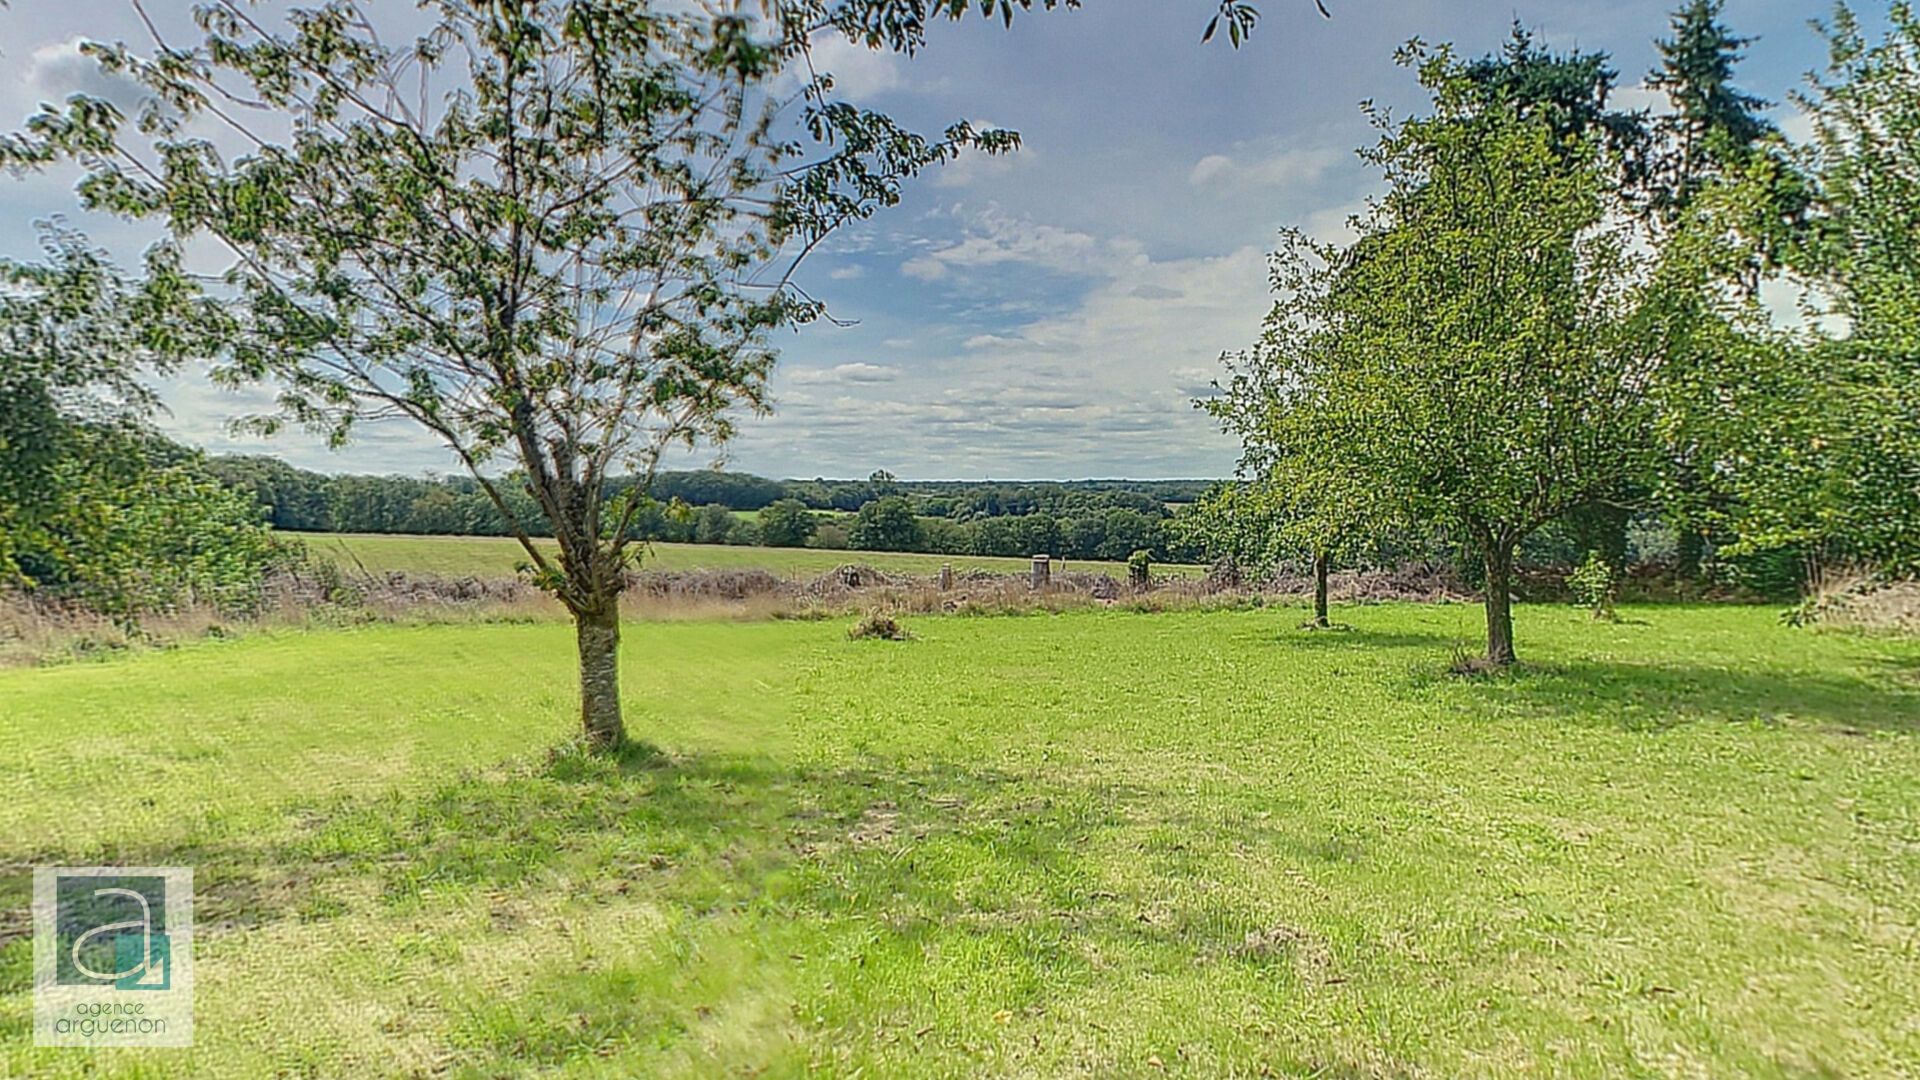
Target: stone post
1042,575
946,576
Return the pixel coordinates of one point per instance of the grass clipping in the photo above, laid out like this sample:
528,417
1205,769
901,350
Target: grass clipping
878,626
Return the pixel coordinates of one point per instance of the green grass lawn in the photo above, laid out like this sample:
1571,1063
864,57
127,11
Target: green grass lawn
1095,844
454,556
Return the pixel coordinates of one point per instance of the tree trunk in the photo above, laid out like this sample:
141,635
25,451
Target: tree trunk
1320,562
597,632
1499,593
1690,551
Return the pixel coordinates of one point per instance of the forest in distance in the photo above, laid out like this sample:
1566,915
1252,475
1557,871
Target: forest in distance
1094,519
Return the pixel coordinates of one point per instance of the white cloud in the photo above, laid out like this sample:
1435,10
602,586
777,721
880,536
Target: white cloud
203,413
1194,381
1334,224
973,166
1209,168
841,374
995,237
57,70
924,268
1795,123
858,72
1254,169
1640,97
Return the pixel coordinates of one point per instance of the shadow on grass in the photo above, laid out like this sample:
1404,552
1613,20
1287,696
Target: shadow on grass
705,833
1357,638
882,862
1670,694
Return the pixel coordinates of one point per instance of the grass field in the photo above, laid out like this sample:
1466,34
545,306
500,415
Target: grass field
1098,844
454,556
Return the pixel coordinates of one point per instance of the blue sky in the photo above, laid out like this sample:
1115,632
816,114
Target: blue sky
1046,315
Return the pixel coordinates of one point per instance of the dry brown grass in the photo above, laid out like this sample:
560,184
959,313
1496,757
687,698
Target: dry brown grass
34,631
1851,598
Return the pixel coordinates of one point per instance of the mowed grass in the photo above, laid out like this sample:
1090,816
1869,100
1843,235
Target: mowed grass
495,556
1094,844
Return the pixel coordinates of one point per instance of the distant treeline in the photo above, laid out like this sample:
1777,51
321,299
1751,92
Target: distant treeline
1082,519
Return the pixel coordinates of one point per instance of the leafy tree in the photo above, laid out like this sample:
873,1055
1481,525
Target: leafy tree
713,524
738,491
886,524
1832,464
787,523
1039,534
1123,531
93,505
1489,374
998,535
71,358
1715,135
133,535
1298,493
1570,92
293,498
946,537
1081,537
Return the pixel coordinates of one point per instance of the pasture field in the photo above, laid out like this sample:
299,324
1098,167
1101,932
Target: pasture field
1100,844
496,556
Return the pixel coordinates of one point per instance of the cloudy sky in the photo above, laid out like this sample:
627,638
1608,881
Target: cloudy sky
1048,315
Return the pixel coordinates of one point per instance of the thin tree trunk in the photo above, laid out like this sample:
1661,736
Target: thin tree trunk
1499,601
1320,562
1690,551
597,632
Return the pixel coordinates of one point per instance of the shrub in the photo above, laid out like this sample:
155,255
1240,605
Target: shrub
877,625
1594,586
129,534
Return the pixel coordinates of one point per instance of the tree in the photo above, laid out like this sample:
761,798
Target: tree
1297,492
712,524
1714,125
1039,534
1825,455
1570,92
1491,372
787,523
71,360
94,506
1713,135
886,524
1567,91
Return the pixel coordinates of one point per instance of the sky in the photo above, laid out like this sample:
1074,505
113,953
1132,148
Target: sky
1047,315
